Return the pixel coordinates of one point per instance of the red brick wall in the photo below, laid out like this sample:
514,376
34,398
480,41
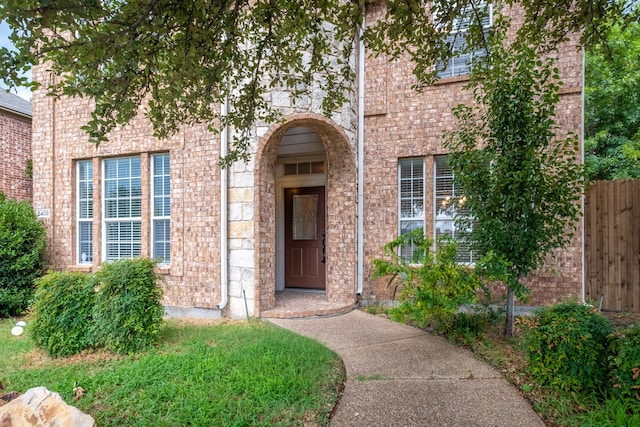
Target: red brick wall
398,123
192,280
402,123
15,151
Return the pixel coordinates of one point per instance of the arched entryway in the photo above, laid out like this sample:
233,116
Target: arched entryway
299,164
301,211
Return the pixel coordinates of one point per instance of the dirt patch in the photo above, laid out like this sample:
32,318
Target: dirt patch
622,319
198,321
37,358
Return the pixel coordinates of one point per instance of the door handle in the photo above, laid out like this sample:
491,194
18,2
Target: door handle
324,247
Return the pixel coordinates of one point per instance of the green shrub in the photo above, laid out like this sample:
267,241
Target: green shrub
127,314
61,315
568,349
117,308
432,288
626,364
22,247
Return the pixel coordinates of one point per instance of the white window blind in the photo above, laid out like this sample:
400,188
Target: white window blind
84,197
411,199
460,62
449,205
122,208
161,214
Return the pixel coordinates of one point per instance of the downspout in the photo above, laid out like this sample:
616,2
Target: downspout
582,160
360,224
224,140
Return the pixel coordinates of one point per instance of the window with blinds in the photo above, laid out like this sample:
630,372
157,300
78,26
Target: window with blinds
411,199
84,210
161,213
460,63
449,206
122,208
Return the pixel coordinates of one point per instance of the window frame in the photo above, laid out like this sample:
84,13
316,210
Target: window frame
167,215
133,220
81,220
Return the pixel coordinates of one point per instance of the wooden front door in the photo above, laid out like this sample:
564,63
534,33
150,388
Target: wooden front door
304,237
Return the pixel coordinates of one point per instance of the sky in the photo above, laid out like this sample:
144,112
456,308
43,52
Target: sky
22,92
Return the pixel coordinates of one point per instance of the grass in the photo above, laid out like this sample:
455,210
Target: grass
227,373
373,377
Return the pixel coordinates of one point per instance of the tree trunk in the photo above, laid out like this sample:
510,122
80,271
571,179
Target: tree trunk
508,329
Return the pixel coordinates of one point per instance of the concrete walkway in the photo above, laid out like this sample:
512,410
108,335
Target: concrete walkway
401,376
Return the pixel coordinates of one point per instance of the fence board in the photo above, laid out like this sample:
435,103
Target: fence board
622,240
634,256
612,244
600,240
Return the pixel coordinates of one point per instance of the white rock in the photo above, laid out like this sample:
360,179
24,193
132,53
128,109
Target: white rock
41,407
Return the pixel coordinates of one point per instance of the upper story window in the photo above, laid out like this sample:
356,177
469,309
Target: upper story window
410,199
461,61
161,208
84,210
122,208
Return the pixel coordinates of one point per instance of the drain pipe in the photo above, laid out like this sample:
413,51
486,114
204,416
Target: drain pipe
582,159
360,225
224,140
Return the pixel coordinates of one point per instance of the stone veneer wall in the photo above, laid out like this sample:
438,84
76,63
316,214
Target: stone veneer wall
252,200
401,123
15,151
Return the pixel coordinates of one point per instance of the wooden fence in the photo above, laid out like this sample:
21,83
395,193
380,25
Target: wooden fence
612,244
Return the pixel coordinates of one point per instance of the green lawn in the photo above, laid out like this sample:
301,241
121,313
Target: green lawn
223,374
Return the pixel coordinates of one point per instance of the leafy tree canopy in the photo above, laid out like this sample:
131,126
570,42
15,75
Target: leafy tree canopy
182,58
523,183
612,106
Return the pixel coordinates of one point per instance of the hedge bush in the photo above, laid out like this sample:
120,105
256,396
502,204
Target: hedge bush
626,364
22,249
61,315
127,313
569,348
117,308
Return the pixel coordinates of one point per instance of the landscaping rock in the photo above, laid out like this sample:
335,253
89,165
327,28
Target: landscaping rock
8,397
41,407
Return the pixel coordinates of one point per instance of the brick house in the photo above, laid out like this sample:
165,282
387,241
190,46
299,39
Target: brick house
316,202
15,146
